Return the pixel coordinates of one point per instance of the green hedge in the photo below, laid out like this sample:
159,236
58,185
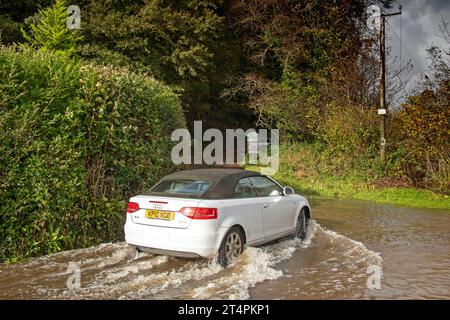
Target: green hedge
76,141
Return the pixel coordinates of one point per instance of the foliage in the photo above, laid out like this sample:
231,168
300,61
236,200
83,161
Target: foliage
50,32
81,135
422,132
175,41
163,34
9,30
302,59
75,145
183,43
13,15
440,57
288,105
350,129
311,170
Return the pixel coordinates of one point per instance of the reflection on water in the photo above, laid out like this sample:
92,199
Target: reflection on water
410,246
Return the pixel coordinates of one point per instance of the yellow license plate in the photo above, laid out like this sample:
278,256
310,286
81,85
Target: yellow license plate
159,214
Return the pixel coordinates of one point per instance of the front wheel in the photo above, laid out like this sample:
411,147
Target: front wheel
232,247
300,228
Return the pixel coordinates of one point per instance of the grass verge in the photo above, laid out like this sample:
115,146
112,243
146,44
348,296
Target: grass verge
340,188
313,171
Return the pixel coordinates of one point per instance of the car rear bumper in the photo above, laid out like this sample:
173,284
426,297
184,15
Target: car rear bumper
179,242
173,253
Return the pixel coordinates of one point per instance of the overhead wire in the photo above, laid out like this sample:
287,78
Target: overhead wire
406,49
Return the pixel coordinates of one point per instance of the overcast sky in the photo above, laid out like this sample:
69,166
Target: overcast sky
419,24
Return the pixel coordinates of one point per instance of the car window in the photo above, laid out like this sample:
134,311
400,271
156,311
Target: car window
266,187
244,189
187,187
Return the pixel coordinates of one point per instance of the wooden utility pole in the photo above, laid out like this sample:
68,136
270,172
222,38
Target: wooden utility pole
383,111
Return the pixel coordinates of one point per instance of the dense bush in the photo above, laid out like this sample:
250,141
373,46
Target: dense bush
76,141
421,136
350,129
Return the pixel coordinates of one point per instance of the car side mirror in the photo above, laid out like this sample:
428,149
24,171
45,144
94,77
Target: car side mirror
287,191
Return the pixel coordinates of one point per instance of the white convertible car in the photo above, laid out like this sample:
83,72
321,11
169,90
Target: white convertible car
214,212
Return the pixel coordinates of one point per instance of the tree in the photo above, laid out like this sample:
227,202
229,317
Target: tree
440,56
49,30
422,126
297,57
175,41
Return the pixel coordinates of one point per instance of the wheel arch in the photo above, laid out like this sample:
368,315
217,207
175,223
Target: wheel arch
241,228
307,212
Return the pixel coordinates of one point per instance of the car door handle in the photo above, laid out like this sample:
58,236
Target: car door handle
266,205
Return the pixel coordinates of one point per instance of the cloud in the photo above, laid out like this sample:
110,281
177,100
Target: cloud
420,28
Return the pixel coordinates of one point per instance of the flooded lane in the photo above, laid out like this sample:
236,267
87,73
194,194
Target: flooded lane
116,271
346,239
414,245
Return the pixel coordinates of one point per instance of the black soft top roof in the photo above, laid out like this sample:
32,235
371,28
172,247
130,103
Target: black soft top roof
223,181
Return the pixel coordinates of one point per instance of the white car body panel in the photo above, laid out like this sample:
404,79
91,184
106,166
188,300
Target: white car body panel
163,203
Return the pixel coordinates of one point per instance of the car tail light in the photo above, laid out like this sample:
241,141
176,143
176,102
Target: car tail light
199,213
132,207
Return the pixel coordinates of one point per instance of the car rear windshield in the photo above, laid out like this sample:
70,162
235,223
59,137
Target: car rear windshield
182,187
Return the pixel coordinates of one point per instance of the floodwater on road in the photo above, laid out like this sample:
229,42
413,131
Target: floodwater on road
353,250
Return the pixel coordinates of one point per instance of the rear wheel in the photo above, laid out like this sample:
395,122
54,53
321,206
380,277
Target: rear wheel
232,247
300,228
